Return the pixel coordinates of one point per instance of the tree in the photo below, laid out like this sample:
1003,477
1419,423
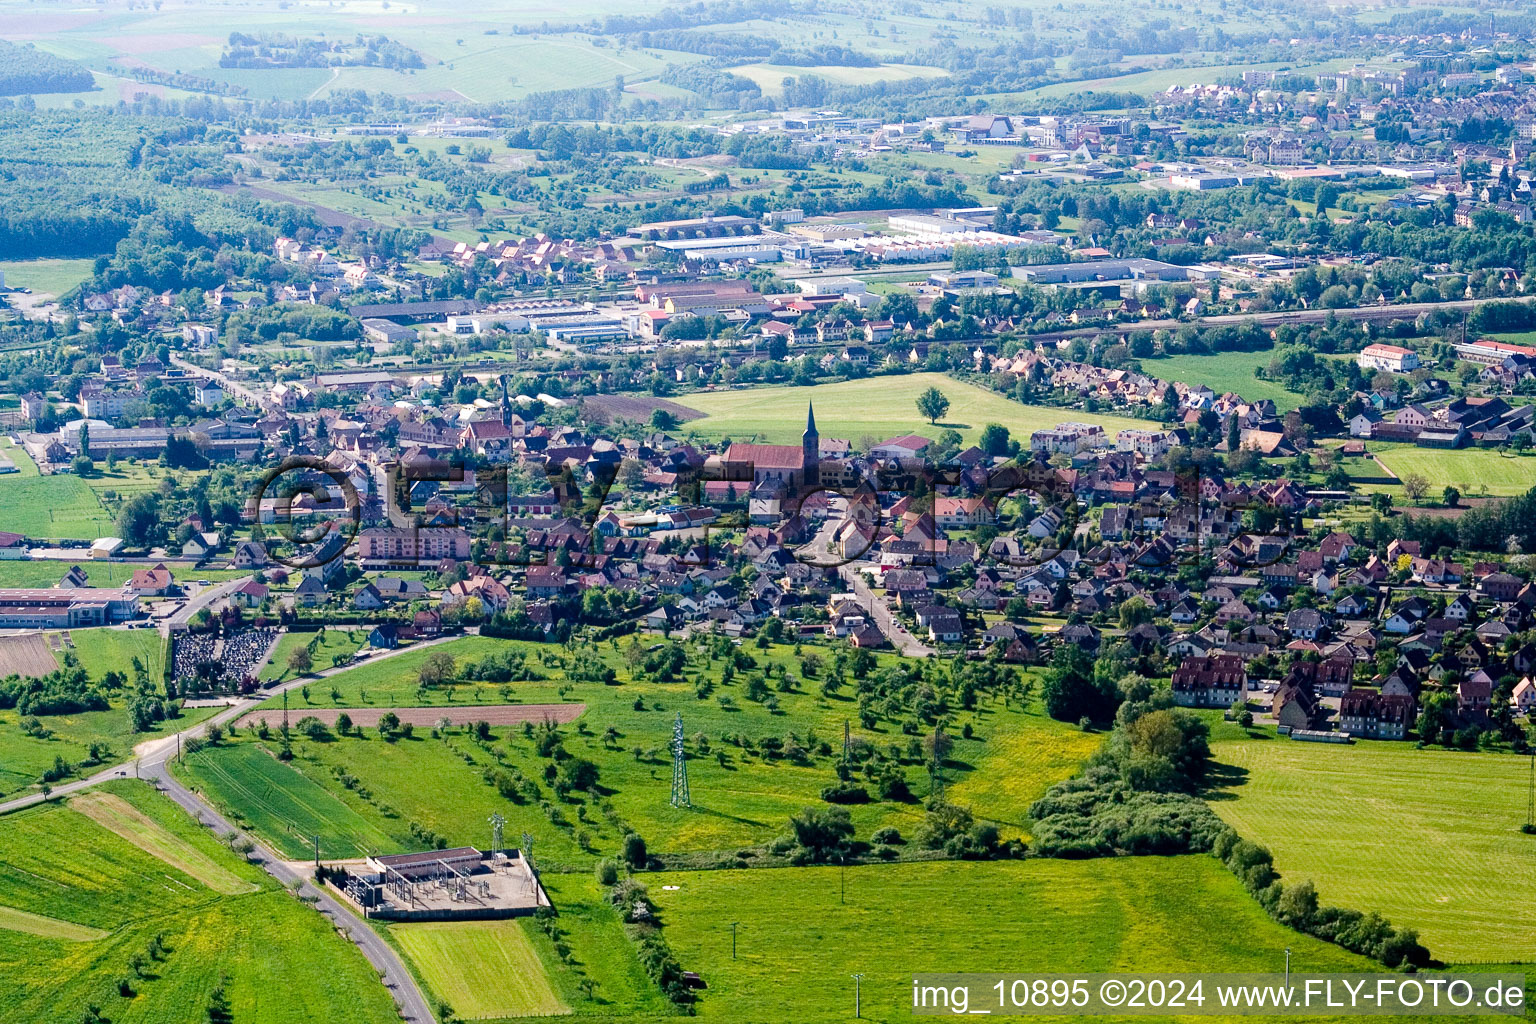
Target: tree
439,668
344,723
663,420
1452,496
82,465
300,661
1134,612
1415,486
932,404
994,439
138,520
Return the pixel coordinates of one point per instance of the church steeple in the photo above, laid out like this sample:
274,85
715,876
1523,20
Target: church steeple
810,447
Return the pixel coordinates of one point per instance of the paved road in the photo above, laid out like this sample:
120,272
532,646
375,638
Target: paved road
151,761
894,631
409,999
230,386
205,597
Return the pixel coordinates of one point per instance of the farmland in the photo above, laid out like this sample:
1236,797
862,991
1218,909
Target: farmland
1129,914
1387,833
26,655
280,963
282,804
742,796
1475,471
1227,371
481,968
877,407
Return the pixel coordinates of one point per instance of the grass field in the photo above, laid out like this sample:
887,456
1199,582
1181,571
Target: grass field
280,962
45,572
1476,471
880,407
1428,838
1226,371
742,799
797,942
58,507
54,277
481,968
104,650
332,642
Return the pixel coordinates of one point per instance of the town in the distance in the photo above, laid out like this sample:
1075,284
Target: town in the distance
725,509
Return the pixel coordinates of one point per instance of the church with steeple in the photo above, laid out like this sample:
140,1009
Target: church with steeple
778,464
810,449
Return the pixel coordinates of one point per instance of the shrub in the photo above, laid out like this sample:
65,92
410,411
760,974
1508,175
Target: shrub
845,793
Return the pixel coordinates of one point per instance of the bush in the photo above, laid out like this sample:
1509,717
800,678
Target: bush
633,851
607,872
845,793
888,837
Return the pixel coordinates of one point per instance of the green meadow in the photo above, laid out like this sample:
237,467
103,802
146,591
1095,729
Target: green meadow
86,885
1223,372
1476,471
1428,838
800,934
743,795
878,407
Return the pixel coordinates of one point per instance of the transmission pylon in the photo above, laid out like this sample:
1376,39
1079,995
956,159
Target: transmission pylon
680,797
497,824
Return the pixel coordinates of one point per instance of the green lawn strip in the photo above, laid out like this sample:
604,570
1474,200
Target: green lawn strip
15,920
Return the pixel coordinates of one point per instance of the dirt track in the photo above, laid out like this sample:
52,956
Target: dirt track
496,714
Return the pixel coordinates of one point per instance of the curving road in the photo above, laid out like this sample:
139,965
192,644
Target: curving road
408,997
152,761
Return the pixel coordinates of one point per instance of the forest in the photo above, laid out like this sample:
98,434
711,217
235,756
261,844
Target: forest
26,69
